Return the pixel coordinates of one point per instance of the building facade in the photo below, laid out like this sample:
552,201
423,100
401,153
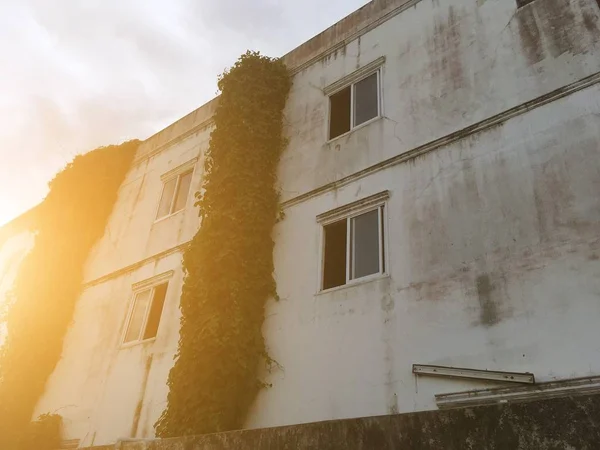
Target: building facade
441,191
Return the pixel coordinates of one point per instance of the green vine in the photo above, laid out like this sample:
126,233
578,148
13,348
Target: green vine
70,220
229,263
43,434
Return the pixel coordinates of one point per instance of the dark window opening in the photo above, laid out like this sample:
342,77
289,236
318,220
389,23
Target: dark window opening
355,255
521,3
334,270
339,121
156,308
382,234
354,105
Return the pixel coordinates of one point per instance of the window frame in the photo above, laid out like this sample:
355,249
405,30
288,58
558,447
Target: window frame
352,84
174,196
138,288
176,173
523,3
376,202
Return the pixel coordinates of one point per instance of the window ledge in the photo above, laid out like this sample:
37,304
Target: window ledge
539,391
136,343
179,169
152,281
353,208
356,128
354,283
168,216
355,76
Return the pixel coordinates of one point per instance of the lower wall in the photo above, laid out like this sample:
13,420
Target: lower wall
493,250
564,423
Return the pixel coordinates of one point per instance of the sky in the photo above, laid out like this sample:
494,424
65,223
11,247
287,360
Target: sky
77,74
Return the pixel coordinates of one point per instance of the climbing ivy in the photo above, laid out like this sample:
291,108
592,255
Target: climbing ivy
229,263
43,433
69,221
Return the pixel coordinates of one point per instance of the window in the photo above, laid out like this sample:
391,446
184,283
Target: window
145,313
353,247
521,3
353,105
174,194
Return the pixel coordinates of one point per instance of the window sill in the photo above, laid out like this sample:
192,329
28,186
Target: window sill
136,343
168,216
358,127
354,283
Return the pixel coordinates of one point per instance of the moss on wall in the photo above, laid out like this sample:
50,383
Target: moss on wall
229,263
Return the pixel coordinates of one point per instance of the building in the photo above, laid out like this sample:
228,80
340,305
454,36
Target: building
441,192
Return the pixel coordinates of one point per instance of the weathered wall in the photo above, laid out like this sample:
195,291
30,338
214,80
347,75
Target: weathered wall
494,263
133,234
568,423
105,390
493,251
449,64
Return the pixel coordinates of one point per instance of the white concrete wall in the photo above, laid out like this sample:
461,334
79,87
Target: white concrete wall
99,387
515,207
449,64
105,391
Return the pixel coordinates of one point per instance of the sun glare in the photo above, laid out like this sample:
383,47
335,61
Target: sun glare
12,253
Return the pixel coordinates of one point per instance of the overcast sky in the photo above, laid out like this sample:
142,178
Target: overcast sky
77,74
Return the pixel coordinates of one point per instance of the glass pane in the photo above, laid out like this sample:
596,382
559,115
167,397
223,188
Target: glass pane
164,208
365,244
339,119
334,270
382,234
365,99
158,301
182,191
137,316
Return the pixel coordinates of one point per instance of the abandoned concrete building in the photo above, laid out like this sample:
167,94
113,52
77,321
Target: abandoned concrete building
441,191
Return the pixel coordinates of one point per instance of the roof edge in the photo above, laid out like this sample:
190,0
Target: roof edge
350,27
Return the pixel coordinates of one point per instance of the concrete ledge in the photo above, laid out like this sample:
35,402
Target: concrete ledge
538,391
564,423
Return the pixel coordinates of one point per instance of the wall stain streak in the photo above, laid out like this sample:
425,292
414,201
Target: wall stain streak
488,312
138,408
446,53
529,32
590,20
559,21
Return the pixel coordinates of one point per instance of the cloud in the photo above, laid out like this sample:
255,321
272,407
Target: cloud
248,18
77,75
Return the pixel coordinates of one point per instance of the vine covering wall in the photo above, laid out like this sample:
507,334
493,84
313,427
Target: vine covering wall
68,223
42,434
229,263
